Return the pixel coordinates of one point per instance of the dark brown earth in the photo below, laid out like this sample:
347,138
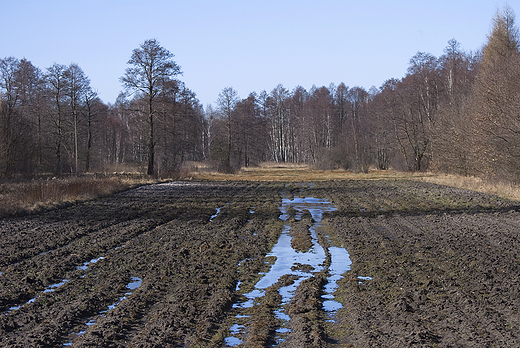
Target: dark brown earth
444,265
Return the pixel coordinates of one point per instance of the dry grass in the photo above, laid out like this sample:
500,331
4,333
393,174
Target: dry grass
293,173
23,197
502,189
306,173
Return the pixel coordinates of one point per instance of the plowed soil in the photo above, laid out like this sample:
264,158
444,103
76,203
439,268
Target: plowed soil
432,266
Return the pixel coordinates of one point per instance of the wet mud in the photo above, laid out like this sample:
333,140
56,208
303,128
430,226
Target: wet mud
173,265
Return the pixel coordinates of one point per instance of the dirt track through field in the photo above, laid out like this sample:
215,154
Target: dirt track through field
163,266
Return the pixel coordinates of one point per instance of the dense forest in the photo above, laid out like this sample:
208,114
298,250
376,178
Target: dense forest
457,113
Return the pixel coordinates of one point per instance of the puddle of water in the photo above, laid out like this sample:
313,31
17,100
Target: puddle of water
50,288
250,299
340,263
88,323
134,284
46,252
86,264
112,306
287,258
232,341
14,308
315,206
283,330
362,279
53,287
215,215
236,328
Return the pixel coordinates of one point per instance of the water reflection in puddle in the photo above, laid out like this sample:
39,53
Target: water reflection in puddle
362,279
53,287
216,214
232,341
50,288
134,284
47,252
290,262
86,264
340,263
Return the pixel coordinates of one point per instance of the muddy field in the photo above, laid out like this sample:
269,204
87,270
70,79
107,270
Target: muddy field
179,264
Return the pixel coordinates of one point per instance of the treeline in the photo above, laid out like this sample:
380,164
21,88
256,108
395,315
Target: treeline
457,113
53,121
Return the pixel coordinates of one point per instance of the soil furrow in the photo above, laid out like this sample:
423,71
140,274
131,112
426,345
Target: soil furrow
431,266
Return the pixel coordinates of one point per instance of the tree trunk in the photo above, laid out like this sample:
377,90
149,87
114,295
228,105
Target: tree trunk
75,138
151,142
89,143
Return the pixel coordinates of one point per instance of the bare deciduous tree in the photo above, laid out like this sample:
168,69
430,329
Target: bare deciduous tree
56,87
496,96
77,85
226,103
151,67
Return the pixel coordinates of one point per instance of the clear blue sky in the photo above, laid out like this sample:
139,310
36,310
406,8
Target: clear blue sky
248,45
